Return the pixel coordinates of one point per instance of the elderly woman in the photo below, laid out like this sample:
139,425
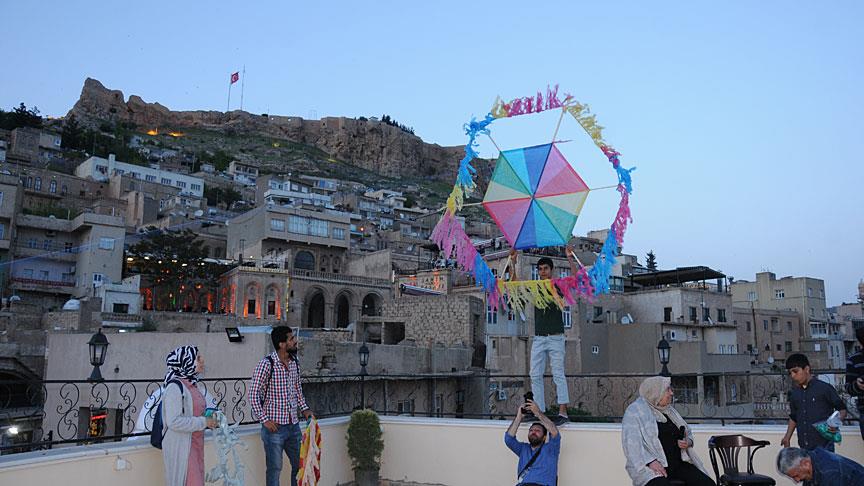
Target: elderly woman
183,406
657,442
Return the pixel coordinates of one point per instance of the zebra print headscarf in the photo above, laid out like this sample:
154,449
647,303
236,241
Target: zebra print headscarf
181,364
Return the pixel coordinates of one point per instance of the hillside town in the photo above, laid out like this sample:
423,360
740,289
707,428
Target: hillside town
174,242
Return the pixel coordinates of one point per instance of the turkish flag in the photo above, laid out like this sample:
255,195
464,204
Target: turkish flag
235,77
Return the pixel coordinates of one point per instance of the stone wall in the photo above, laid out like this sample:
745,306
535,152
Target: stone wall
450,320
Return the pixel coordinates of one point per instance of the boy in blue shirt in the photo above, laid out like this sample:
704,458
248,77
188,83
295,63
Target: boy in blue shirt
538,459
810,401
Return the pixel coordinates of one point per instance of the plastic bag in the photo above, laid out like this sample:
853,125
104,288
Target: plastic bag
833,422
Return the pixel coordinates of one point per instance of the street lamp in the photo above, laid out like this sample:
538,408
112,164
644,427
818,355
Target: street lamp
98,346
460,403
663,349
364,360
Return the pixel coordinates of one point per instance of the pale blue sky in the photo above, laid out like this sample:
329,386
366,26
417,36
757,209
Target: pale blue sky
744,118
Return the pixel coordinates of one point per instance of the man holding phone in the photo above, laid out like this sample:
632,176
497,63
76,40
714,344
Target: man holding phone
538,459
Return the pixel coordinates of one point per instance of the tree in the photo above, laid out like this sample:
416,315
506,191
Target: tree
73,134
217,195
173,264
651,262
20,117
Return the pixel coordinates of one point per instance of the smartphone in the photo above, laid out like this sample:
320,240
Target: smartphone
208,412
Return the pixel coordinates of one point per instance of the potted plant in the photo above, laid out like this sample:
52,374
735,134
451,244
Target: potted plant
365,445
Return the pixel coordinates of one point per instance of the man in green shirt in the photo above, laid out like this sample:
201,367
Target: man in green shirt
548,343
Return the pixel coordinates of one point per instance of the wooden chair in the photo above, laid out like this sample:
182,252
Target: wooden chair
728,447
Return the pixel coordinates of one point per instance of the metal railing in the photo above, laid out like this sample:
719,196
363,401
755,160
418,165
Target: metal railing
52,413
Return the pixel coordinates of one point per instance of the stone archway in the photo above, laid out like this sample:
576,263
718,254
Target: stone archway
315,310
343,310
372,305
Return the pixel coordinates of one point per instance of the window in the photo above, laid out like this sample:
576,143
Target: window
535,272
722,348
779,293
775,325
44,275
135,175
765,324
46,244
38,185
812,314
195,187
693,315
339,233
667,314
64,189
52,188
97,279
1,198
672,335
27,273
150,178
304,261
694,333
595,349
250,306
405,407
750,348
32,243
721,315
733,392
789,325
2,231
277,224
181,184
751,296
106,243
779,347
567,317
102,169
788,346
706,314
491,315
809,289
68,247
598,311
563,272
120,308
817,347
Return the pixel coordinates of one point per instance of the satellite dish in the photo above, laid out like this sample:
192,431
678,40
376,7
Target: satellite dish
198,213
770,359
72,304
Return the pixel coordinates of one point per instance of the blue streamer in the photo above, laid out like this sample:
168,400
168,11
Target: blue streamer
465,178
602,269
483,274
624,177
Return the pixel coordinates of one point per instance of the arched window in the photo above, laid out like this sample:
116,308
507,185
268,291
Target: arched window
38,185
52,188
304,261
324,262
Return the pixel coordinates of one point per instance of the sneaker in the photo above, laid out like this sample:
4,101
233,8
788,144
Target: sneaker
560,420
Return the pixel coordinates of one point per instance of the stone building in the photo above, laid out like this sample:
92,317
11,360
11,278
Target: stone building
768,335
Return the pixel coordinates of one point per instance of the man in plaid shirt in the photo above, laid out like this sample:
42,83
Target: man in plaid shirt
276,395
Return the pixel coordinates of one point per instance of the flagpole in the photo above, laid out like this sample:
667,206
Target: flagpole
229,95
242,86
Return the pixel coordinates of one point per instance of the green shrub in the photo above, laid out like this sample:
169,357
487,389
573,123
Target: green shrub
365,441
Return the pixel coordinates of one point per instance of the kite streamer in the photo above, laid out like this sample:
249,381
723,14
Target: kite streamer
451,238
310,455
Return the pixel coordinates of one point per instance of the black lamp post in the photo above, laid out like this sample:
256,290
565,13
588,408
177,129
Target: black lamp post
663,349
460,403
364,360
98,346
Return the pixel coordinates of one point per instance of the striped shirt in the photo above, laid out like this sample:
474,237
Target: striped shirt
277,396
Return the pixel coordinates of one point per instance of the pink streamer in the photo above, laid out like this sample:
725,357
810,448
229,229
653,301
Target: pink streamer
575,286
623,216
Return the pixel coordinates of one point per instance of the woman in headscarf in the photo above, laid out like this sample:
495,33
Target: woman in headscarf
183,420
657,443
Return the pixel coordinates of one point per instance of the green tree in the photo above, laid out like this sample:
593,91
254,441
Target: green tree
20,117
173,264
73,134
651,261
217,196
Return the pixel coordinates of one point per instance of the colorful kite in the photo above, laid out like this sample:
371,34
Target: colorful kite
535,198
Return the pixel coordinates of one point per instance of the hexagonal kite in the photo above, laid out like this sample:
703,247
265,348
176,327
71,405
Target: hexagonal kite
535,196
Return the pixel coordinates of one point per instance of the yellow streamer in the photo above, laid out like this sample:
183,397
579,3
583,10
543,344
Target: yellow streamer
540,293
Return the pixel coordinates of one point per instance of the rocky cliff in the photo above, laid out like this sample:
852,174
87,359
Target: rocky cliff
371,145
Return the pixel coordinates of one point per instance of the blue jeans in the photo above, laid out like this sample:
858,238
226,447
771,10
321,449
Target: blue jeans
286,439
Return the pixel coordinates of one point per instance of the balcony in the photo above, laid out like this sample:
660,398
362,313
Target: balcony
474,454
53,286
52,251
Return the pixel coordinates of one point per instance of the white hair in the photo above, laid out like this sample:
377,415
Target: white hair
790,458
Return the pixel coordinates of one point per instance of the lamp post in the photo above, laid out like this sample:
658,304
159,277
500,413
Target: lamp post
663,349
460,402
98,346
364,360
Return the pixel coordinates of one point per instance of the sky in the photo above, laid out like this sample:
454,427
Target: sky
743,118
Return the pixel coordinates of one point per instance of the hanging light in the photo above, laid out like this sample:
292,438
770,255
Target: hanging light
98,347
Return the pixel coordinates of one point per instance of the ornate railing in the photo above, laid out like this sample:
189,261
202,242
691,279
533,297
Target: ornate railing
53,413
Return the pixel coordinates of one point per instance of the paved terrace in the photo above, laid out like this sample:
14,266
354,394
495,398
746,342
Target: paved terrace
452,452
